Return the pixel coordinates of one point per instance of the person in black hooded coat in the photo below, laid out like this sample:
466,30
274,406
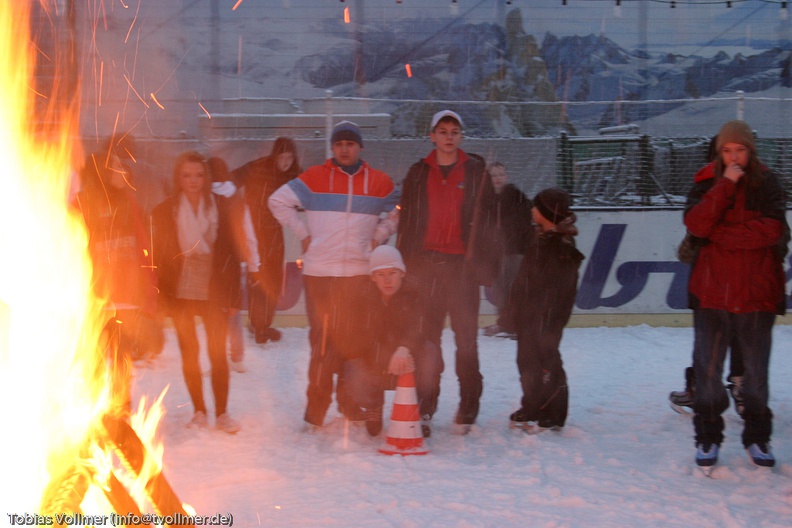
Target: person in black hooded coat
262,177
539,307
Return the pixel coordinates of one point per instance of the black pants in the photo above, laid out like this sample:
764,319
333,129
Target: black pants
330,303
451,290
544,383
214,320
367,384
265,288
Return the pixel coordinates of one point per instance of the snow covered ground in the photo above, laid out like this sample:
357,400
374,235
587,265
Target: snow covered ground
624,459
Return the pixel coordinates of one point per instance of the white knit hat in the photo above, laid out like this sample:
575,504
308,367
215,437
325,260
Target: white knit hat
384,257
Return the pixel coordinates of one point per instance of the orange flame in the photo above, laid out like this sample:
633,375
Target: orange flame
55,381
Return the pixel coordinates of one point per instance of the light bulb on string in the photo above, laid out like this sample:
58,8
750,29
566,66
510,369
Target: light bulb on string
617,11
454,7
673,5
783,14
728,5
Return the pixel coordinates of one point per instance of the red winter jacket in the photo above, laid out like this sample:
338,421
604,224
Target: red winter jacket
739,269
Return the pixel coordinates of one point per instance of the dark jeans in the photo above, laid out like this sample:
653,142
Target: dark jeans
330,303
451,290
715,330
366,385
264,287
214,320
544,382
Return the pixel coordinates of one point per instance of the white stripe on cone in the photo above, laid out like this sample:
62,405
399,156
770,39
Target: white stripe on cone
405,396
404,435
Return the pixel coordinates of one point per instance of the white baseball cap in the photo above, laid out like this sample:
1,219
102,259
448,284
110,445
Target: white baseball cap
445,113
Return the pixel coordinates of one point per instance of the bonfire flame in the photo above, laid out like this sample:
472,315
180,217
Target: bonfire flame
67,438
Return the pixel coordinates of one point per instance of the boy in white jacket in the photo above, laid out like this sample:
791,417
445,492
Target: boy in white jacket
350,208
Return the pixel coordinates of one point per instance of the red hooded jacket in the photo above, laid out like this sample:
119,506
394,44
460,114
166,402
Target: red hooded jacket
739,269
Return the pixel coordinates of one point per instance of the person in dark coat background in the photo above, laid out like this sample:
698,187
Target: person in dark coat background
512,218
538,309
261,177
736,288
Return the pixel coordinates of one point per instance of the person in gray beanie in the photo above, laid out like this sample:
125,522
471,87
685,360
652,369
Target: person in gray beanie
392,343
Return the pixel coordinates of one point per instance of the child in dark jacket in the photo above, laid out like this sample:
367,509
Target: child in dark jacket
539,307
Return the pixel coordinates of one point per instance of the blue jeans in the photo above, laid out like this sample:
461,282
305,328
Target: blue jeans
752,334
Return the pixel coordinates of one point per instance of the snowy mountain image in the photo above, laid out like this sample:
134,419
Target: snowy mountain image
191,56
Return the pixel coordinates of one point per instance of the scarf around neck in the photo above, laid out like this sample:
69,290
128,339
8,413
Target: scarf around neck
197,230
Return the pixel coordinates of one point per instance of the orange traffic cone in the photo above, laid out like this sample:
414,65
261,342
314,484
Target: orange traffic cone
404,430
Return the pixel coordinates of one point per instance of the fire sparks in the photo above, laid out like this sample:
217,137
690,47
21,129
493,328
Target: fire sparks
65,402
205,111
154,98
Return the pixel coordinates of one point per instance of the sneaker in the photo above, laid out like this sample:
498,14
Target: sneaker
492,330
198,421
273,334
519,418
238,366
548,425
227,424
707,454
735,388
426,426
497,330
309,428
761,454
681,401
460,429
268,334
374,421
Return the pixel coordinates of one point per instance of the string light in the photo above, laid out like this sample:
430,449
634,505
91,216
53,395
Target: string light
617,12
728,5
782,13
454,7
673,5
563,2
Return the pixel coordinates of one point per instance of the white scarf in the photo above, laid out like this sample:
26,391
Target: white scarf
197,231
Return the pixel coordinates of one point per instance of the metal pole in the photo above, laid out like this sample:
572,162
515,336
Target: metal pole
328,124
740,105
